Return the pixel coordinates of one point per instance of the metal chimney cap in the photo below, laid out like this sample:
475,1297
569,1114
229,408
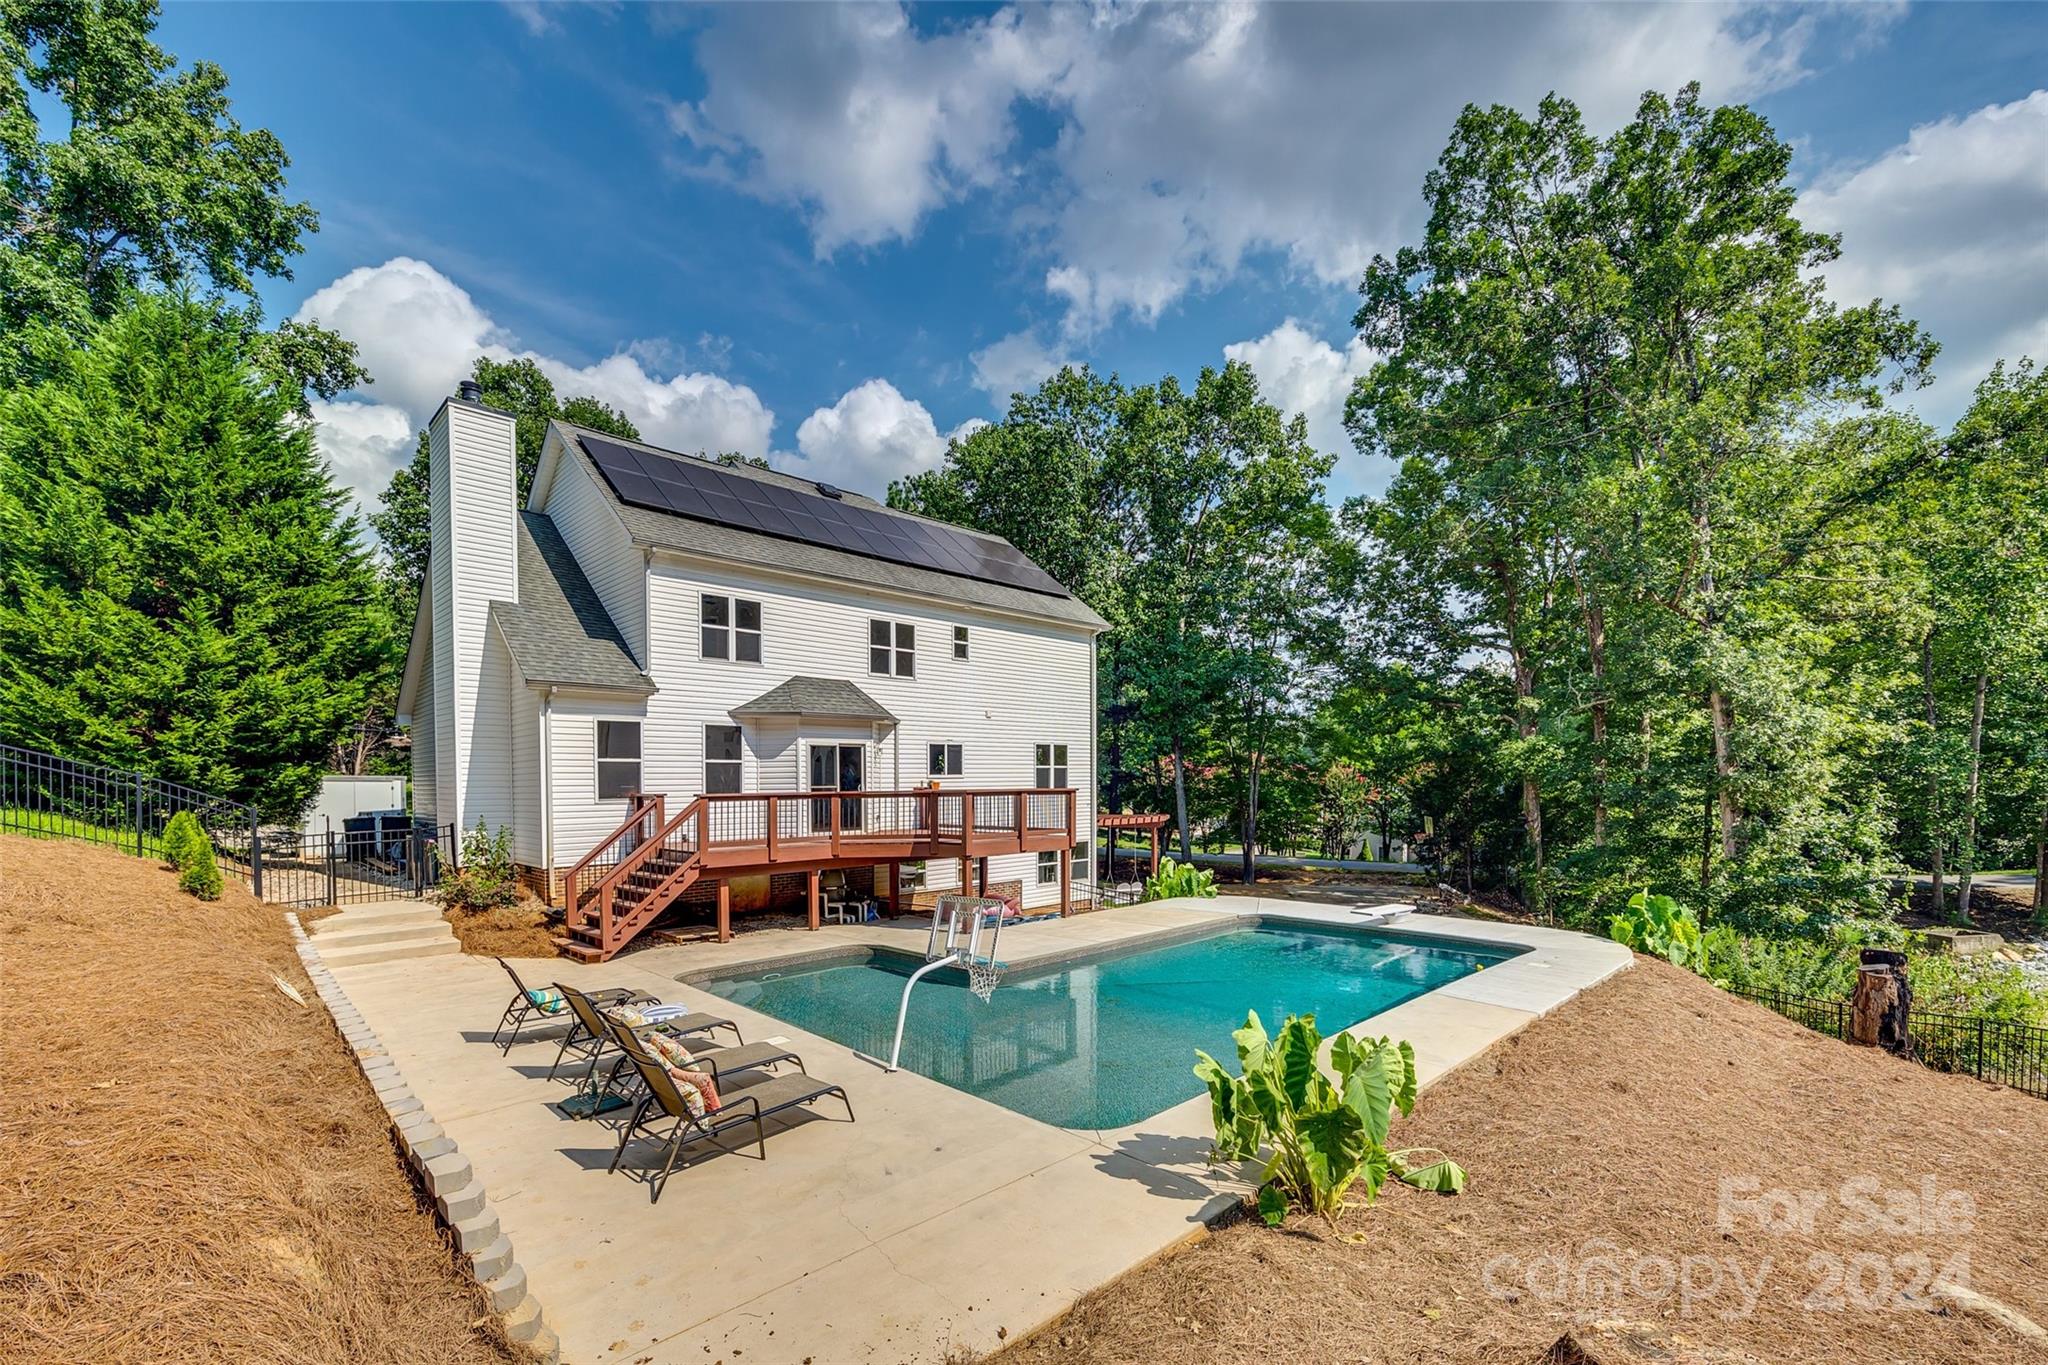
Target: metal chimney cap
469,391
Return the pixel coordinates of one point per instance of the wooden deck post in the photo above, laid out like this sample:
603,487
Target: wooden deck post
894,870
811,892
981,876
966,876
724,911
1067,880
772,834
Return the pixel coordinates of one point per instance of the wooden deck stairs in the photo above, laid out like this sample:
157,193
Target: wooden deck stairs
623,884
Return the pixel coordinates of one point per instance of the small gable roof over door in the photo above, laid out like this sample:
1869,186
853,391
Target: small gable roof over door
832,698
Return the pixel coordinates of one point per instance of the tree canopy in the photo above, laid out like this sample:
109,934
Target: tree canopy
180,589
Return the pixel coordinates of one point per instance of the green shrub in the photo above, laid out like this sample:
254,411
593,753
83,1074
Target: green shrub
1999,991
201,874
183,838
1179,879
1659,925
486,879
1323,1139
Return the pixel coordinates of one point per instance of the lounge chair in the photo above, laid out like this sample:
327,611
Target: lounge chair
718,1063
527,1005
588,1040
751,1104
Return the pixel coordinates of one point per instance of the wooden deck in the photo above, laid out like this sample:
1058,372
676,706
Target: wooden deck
640,869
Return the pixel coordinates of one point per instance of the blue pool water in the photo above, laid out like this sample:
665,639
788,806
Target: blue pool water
1112,1041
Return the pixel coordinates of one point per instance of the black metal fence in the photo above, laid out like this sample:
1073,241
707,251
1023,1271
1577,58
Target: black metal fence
1964,1044
350,866
47,797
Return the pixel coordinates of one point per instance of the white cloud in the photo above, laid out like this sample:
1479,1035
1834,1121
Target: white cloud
363,443
872,435
1016,364
689,412
1299,372
846,111
1188,137
419,332
1951,224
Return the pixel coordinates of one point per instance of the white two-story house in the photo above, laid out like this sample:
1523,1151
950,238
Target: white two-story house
654,671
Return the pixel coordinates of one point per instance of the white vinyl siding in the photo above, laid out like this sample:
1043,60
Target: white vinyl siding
471,459
1031,684
424,806
526,825
590,527
580,819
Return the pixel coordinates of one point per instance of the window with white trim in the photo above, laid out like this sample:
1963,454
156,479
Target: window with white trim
618,759
959,642
945,760
1048,867
1049,766
721,758
892,648
730,628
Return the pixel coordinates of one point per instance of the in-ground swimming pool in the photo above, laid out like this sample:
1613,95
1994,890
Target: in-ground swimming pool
1108,1041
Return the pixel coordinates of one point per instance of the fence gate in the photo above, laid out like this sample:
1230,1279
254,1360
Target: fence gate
349,867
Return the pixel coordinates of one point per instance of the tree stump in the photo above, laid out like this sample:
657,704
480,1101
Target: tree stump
1877,1012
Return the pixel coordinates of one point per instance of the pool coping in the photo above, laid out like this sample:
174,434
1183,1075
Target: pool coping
882,1229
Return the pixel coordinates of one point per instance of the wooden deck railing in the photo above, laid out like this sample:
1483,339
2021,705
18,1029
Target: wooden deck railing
622,884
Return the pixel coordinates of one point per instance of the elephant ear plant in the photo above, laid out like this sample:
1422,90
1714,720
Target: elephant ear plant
1322,1138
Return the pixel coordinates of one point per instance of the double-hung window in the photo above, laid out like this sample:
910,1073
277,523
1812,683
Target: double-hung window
959,642
1048,867
892,648
945,760
721,758
1050,765
618,759
731,628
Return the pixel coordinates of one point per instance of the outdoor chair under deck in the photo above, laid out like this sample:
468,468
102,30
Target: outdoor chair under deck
664,1099
526,1006
588,1039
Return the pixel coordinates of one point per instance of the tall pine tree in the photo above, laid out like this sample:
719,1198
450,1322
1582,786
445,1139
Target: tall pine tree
180,588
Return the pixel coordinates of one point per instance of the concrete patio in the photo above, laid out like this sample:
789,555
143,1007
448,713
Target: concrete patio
937,1223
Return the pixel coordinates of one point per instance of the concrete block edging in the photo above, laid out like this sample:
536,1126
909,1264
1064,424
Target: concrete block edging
458,1198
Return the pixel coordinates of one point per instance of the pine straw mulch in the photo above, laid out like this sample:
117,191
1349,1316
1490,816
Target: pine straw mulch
522,930
194,1168
1604,1131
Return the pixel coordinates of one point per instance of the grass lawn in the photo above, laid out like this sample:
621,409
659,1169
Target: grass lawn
1598,1141
37,824
196,1170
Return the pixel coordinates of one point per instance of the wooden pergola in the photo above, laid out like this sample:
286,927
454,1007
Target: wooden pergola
1116,823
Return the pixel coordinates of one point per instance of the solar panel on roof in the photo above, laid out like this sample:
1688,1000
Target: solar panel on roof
703,491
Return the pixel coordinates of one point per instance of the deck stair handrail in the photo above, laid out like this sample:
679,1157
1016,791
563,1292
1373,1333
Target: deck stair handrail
637,871
605,855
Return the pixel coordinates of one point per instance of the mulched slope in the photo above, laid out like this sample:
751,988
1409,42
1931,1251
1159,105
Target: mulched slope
1605,1131
194,1169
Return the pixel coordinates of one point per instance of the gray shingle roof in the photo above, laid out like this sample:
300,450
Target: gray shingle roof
558,630
802,696
665,530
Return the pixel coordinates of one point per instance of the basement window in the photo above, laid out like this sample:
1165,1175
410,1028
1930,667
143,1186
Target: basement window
1048,868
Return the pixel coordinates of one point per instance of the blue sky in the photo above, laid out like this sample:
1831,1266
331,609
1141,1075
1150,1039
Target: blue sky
834,235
